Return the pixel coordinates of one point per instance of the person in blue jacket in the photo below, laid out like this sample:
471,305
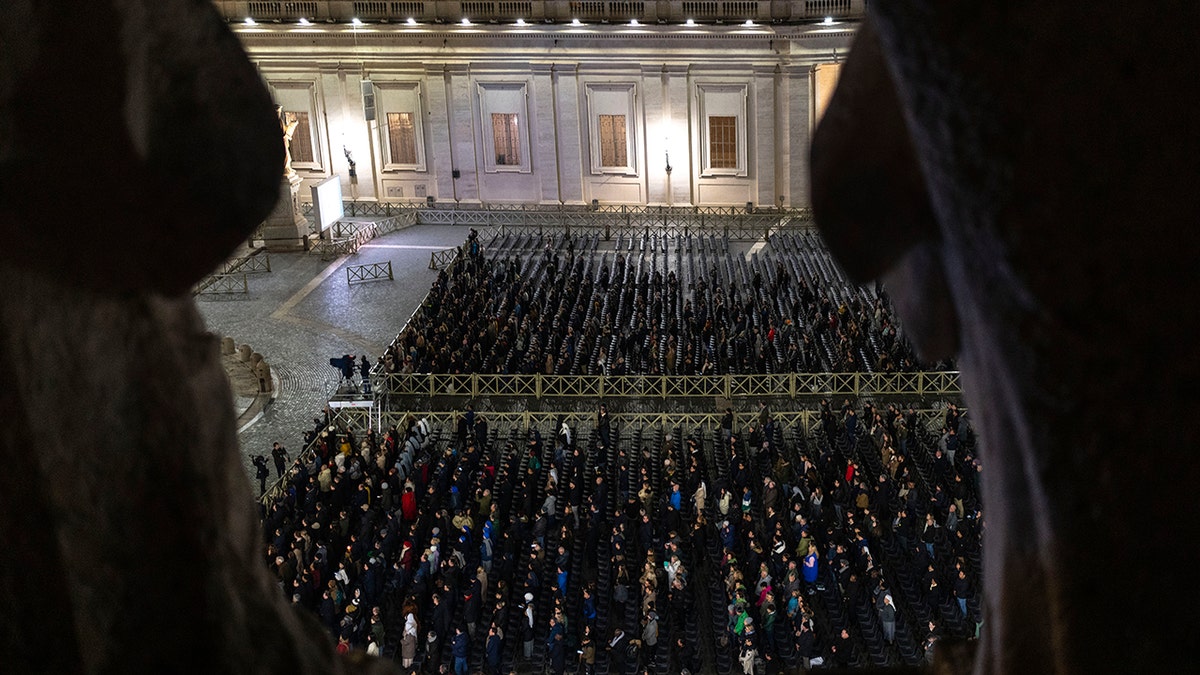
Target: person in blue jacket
458,649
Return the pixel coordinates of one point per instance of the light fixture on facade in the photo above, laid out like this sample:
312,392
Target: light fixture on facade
250,22
466,21
828,21
749,23
634,22
690,23
411,21
356,22
305,22
576,22
520,22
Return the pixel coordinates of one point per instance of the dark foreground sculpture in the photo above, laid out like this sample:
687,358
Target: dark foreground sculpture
137,148
1024,174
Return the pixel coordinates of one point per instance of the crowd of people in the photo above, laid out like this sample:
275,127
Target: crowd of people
569,309
747,547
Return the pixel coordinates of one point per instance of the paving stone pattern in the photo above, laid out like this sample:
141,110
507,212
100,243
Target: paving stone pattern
303,312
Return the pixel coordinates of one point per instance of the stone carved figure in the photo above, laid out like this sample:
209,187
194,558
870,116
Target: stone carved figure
1040,224
128,535
288,124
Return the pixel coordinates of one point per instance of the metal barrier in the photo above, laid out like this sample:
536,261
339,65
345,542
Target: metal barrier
734,387
360,420
250,264
348,237
440,260
364,232
625,221
218,284
735,222
329,249
406,218
368,272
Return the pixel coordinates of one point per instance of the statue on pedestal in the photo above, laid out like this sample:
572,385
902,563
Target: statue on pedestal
287,124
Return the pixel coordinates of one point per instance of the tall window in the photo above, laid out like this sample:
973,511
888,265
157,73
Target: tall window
402,138
722,142
507,138
612,141
301,146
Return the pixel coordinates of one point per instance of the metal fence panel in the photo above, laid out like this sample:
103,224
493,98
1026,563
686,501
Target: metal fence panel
807,421
369,272
216,284
791,385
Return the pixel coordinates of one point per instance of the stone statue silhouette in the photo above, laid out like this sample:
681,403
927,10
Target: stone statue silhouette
161,570
1020,221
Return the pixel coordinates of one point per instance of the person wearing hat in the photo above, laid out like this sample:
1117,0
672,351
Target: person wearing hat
433,653
408,641
649,636
748,657
527,627
887,616
616,651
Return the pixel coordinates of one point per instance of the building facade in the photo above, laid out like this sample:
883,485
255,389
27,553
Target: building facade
504,110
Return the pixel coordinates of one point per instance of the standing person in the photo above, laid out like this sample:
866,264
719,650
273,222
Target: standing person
616,651
261,472
748,656
587,652
887,616
527,627
962,590
810,568
604,425
556,647
699,497
408,643
494,648
279,453
727,426
649,637
805,641
364,369
442,618
458,649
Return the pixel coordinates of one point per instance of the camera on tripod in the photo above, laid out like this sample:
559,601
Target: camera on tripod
344,364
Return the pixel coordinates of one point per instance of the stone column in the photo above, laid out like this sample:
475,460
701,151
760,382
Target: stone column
799,125
570,150
655,130
675,77
764,135
545,131
437,117
462,132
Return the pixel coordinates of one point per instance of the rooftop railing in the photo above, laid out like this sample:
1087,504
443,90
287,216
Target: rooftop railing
550,11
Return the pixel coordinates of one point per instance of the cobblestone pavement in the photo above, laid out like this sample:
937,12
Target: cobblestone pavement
302,313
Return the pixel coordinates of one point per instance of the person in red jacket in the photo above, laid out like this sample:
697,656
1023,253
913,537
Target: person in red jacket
408,504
